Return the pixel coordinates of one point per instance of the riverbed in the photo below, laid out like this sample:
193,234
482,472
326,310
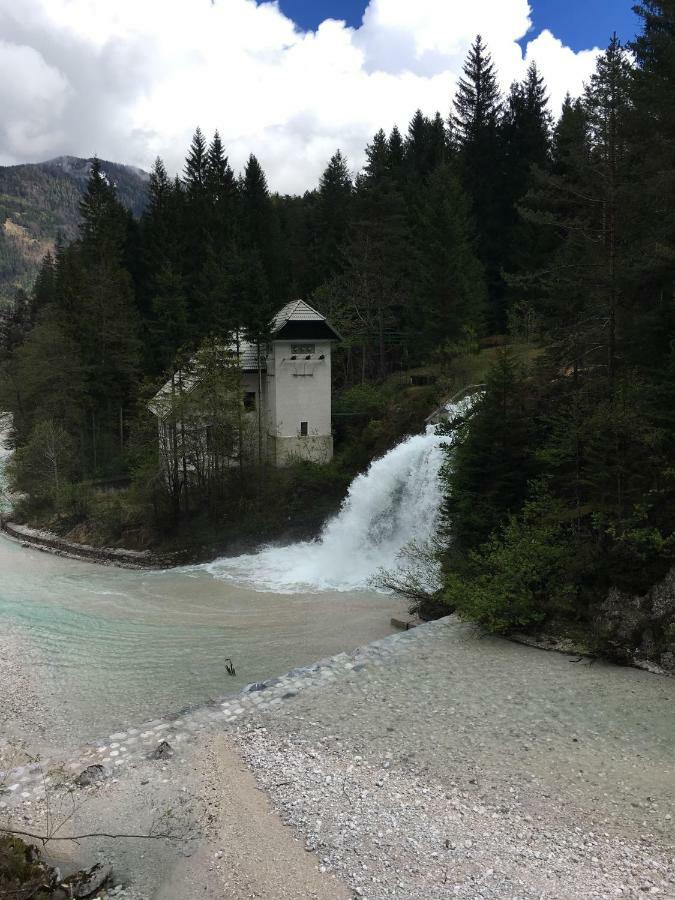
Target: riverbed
111,647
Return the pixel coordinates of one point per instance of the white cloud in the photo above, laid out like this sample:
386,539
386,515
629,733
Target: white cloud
32,97
131,79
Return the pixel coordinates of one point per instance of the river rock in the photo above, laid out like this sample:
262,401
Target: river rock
85,884
163,750
90,775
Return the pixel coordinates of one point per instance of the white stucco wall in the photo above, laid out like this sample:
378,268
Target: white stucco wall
300,391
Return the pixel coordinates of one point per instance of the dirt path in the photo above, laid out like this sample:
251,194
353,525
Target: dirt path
247,851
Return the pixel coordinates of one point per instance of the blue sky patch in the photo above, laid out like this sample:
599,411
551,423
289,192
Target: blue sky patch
580,24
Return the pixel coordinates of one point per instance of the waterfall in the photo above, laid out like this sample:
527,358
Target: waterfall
396,501
5,500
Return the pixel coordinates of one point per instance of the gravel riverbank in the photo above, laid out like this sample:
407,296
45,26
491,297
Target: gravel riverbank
431,765
475,768
31,710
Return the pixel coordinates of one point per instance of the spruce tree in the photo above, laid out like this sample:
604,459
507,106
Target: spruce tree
525,139
652,138
104,221
261,264
475,124
376,284
221,190
569,141
449,282
396,155
195,171
525,133
334,210
477,104
167,326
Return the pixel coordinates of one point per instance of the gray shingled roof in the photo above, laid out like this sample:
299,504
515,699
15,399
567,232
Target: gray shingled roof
160,404
295,311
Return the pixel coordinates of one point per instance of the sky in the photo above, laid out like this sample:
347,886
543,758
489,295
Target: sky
290,81
578,23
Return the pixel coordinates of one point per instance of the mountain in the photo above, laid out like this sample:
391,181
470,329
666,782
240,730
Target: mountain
40,202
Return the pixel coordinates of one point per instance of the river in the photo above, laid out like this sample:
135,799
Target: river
118,646
124,646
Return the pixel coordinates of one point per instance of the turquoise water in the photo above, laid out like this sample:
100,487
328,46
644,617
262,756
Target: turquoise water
122,646
113,646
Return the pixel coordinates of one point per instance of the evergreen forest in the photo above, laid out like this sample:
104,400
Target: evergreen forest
497,222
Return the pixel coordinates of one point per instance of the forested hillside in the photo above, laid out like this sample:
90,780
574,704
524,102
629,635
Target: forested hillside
564,487
39,204
494,221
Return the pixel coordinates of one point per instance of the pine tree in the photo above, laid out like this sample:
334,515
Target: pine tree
334,209
449,281
569,143
105,221
260,267
477,104
475,122
525,138
195,172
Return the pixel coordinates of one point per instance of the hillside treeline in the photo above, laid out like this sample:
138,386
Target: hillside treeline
407,258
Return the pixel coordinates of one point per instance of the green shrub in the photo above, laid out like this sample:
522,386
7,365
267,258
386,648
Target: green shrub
522,575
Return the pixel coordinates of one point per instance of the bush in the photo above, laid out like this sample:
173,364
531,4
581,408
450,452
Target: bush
23,876
522,575
45,465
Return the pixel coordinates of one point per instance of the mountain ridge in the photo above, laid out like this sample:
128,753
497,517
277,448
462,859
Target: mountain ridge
39,202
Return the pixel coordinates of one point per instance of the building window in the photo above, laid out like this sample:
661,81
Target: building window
303,429
302,349
249,401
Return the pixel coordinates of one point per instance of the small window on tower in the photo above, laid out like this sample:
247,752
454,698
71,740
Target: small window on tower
303,429
249,401
302,349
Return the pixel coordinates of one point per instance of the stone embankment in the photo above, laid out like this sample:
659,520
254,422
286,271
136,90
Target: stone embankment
53,543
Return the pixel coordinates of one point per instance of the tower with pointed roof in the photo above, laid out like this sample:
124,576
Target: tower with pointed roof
298,385
286,395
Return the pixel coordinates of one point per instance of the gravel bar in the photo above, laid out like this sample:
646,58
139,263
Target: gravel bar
465,766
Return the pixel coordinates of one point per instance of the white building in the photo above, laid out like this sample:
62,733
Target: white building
286,391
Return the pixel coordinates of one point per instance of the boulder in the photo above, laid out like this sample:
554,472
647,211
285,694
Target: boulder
86,883
163,750
634,628
90,775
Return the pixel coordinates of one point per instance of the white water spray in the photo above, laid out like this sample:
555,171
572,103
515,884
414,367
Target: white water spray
396,501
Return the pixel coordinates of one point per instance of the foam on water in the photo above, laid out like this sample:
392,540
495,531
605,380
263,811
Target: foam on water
396,501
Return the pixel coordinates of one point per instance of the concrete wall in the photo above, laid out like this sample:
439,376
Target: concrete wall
313,448
299,391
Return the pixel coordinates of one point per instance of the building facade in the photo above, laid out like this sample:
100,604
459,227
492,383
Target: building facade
287,392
